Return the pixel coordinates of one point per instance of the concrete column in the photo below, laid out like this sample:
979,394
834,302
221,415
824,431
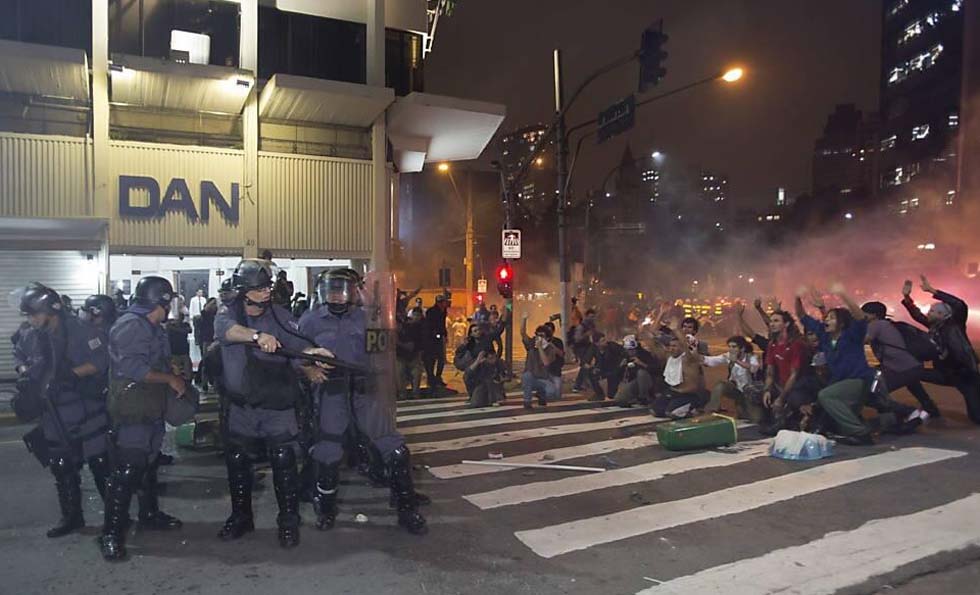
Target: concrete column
248,59
381,208
101,188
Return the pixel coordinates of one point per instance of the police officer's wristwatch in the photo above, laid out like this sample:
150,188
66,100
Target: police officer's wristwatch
255,337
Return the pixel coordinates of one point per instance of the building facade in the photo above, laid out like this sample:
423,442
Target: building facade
174,137
927,56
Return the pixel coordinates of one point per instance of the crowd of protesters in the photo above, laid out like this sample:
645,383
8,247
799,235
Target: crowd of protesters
808,371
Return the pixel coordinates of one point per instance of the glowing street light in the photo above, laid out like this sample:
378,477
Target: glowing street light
656,155
443,167
733,75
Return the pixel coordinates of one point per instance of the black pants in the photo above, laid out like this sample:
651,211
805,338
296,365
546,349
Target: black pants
612,383
672,400
965,381
434,359
911,380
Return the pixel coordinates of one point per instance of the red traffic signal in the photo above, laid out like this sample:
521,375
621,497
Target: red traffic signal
505,280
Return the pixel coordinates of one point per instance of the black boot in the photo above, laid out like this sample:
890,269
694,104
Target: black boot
240,488
69,485
285,477
150,516
400,471
119,492
325,502
99,466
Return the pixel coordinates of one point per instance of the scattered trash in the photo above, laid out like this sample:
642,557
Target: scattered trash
361,518
639,498
548,458
653,580
608,461
800,446
495,455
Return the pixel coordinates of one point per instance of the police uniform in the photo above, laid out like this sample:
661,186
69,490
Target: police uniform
341,328
75,431
263,391
137,346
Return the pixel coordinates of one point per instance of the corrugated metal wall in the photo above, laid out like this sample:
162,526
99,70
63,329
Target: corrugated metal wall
315,205
65,271
45,176
175,232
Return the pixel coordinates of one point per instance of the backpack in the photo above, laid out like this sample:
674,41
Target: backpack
917,342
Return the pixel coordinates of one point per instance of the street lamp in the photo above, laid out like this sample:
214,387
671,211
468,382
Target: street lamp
468,205
732,75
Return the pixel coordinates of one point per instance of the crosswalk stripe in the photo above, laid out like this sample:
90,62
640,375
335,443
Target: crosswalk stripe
485,410
515,435
440,400
554,455
428,407
514,419
548,456
842,559
542,490
555,540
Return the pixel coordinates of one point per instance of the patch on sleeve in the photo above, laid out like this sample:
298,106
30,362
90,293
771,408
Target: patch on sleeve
294,324
94,344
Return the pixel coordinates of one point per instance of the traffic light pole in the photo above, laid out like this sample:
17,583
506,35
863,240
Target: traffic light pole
508,304
561,148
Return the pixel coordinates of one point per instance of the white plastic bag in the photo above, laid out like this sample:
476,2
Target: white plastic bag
800,446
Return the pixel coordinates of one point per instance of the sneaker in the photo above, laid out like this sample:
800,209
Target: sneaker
528,405
915,415
541,401
576,389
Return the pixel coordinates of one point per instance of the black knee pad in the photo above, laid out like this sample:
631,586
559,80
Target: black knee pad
282,456
246,445
61,465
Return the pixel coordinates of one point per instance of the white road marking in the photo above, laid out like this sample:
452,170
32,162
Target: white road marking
492,440
483,410
842,559
515,419
555,540
542,490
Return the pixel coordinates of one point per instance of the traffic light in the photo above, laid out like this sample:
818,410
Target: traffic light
652,57
505,281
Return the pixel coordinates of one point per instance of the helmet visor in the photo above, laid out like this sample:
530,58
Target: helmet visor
336,290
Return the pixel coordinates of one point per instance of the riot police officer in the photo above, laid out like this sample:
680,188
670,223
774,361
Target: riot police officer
65,359
140,378
263,390
100,311
339,324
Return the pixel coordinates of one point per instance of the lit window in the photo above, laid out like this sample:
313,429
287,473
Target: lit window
954,120
950,197
914,203
888,143
920,132
956,6
897,7
846,190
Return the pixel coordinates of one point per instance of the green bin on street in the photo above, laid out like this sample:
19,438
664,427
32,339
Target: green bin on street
705,431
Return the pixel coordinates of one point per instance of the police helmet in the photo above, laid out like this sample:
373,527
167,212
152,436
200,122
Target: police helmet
338,288
154,291
226,293
100,305
253,273
39,299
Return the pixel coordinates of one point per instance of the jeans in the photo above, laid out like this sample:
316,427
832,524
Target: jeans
672,400
546,388
434,359
911,380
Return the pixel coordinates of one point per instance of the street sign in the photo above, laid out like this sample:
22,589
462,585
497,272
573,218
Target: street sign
481,285
511,244
617,118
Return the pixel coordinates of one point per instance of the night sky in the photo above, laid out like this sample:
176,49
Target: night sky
802,57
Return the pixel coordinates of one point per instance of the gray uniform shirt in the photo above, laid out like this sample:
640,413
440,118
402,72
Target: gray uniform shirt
233,355
343,335
136,346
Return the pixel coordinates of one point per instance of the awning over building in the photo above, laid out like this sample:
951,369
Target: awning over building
24,233
303,99
425,128
162,84
43,71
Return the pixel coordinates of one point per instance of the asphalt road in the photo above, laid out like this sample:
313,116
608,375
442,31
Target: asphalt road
899,517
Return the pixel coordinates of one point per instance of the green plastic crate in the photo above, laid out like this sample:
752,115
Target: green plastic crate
706,431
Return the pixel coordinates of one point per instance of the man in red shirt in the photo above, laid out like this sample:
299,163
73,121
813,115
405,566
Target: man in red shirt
790,383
